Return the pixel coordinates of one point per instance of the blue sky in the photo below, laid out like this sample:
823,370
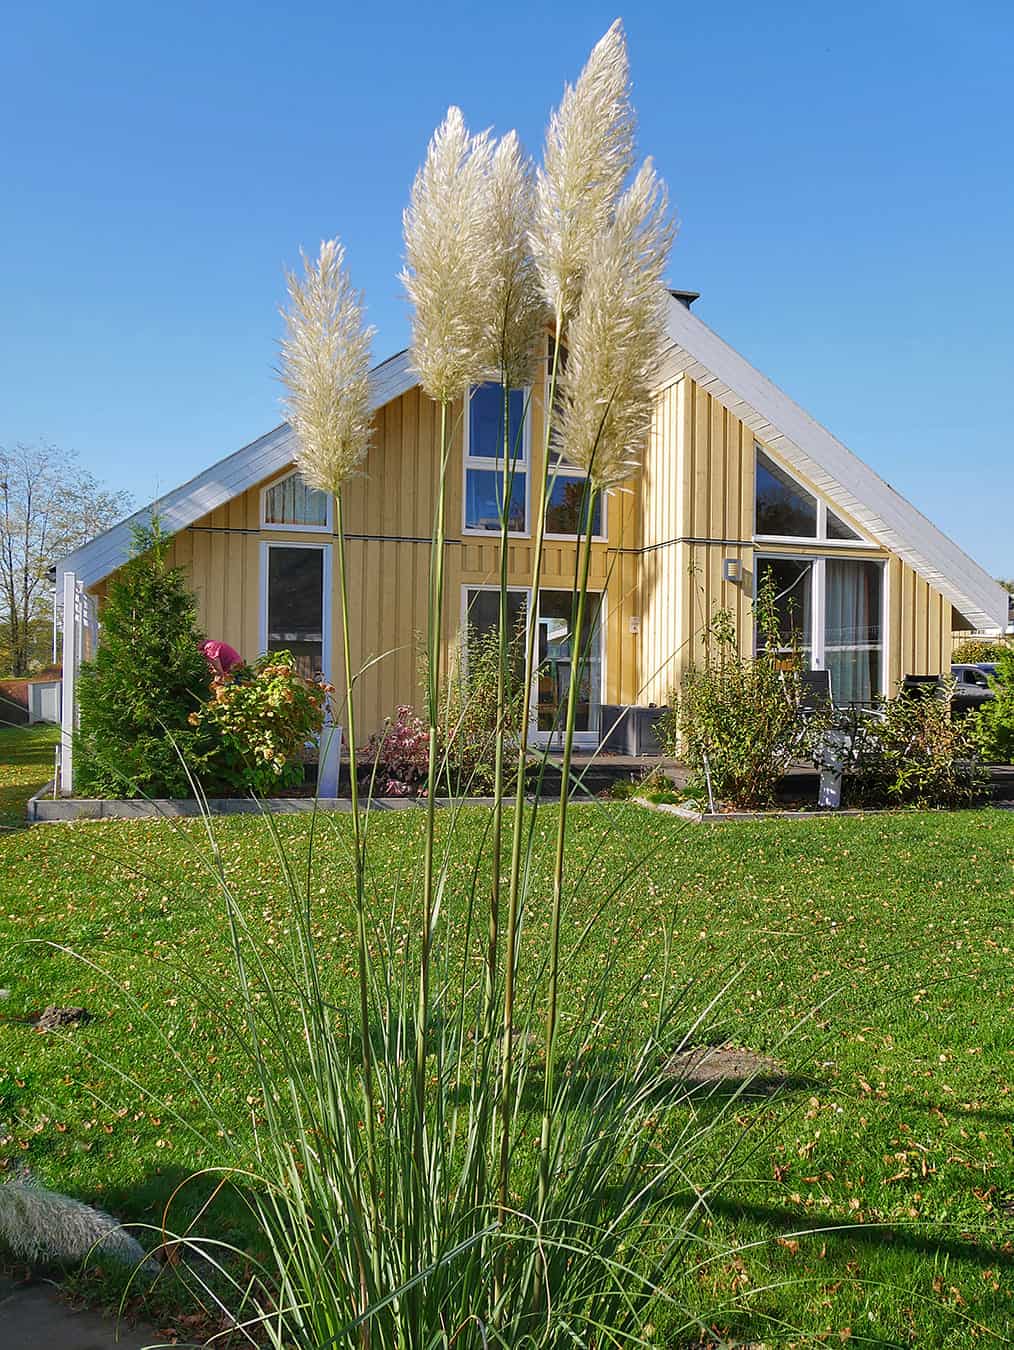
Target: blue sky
843,177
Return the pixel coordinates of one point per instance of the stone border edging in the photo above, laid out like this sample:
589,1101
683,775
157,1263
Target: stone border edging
43,809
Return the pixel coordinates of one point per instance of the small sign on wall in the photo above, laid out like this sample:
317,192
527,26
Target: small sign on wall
635,623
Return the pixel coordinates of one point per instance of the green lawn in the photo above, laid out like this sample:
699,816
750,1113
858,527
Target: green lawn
26,764
887,937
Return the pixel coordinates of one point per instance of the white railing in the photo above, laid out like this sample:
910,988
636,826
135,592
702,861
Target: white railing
80,641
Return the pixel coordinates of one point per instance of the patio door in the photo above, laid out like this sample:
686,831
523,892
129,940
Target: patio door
295,586
558,666
831,610
554,655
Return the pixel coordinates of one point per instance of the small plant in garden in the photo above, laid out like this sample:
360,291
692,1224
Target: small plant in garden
735,719
400,754
993,725
255,725
148,676
915,754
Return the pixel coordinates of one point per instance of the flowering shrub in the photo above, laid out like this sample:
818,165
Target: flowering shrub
400,754
256,723
973,650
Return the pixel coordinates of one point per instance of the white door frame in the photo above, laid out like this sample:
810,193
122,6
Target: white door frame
262,633
585,740
818,603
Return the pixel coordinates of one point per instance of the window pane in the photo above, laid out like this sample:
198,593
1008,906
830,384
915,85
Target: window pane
837,529
483,498
566,508
484,610
291,502
791,583
485,422
783,508
853,628
556,660
296,606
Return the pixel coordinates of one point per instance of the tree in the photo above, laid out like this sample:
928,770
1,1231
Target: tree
49,505
149,675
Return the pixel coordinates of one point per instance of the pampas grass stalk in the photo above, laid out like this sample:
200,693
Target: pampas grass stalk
325,368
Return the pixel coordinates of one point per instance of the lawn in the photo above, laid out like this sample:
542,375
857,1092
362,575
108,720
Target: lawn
872,1202
26,764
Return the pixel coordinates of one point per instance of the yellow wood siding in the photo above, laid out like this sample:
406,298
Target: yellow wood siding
689,507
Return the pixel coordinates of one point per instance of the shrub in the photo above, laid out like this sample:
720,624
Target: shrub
915,754
400,754
735,720
255,726
975,650
148,676
993,728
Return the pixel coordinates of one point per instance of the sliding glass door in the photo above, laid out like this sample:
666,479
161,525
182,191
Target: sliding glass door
555,656
831,610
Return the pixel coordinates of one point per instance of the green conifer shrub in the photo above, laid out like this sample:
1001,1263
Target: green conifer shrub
148,676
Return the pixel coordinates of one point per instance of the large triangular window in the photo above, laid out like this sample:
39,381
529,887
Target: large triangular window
784,509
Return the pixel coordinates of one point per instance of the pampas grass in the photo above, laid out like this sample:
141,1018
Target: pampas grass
444,258
326,370
44,1228
588,154
614,340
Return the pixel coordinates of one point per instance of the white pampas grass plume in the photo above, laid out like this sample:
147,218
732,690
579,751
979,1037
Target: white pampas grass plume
615,338
326,370
44,1228
589,152
444,260
513,308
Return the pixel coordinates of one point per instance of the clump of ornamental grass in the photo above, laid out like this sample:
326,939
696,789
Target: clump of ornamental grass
449,1163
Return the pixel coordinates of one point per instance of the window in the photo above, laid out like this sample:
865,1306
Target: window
290,504
832,611
556,667
484,460
567,505
784,509
294,604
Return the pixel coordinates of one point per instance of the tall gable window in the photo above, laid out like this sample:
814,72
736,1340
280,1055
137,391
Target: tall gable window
484,460
786,510
290,504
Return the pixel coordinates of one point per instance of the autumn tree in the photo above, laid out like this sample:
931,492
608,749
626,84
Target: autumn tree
49,505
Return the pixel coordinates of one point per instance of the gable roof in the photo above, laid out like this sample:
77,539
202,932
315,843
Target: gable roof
838,475
218,484
694,350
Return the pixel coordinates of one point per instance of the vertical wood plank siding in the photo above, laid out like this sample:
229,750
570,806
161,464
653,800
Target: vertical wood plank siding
688,508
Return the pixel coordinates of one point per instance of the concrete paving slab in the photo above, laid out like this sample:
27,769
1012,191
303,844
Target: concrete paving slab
33,1317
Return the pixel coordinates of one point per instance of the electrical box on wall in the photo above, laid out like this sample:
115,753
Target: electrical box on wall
635,623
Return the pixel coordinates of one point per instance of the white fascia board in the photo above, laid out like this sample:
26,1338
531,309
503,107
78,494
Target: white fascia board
838,474
219,484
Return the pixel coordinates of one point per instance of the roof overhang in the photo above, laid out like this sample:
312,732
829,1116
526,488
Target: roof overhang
244,469
839,475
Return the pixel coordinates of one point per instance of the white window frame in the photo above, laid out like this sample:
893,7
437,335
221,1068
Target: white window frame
522,462
262,630
326,528
582,739
804,540
563,470
818,606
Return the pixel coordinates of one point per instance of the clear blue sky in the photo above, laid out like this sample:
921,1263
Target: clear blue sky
843,175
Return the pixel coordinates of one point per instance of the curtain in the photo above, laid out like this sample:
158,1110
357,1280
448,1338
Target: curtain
853,634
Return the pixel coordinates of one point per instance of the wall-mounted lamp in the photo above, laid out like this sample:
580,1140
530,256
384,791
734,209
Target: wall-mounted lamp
732,570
